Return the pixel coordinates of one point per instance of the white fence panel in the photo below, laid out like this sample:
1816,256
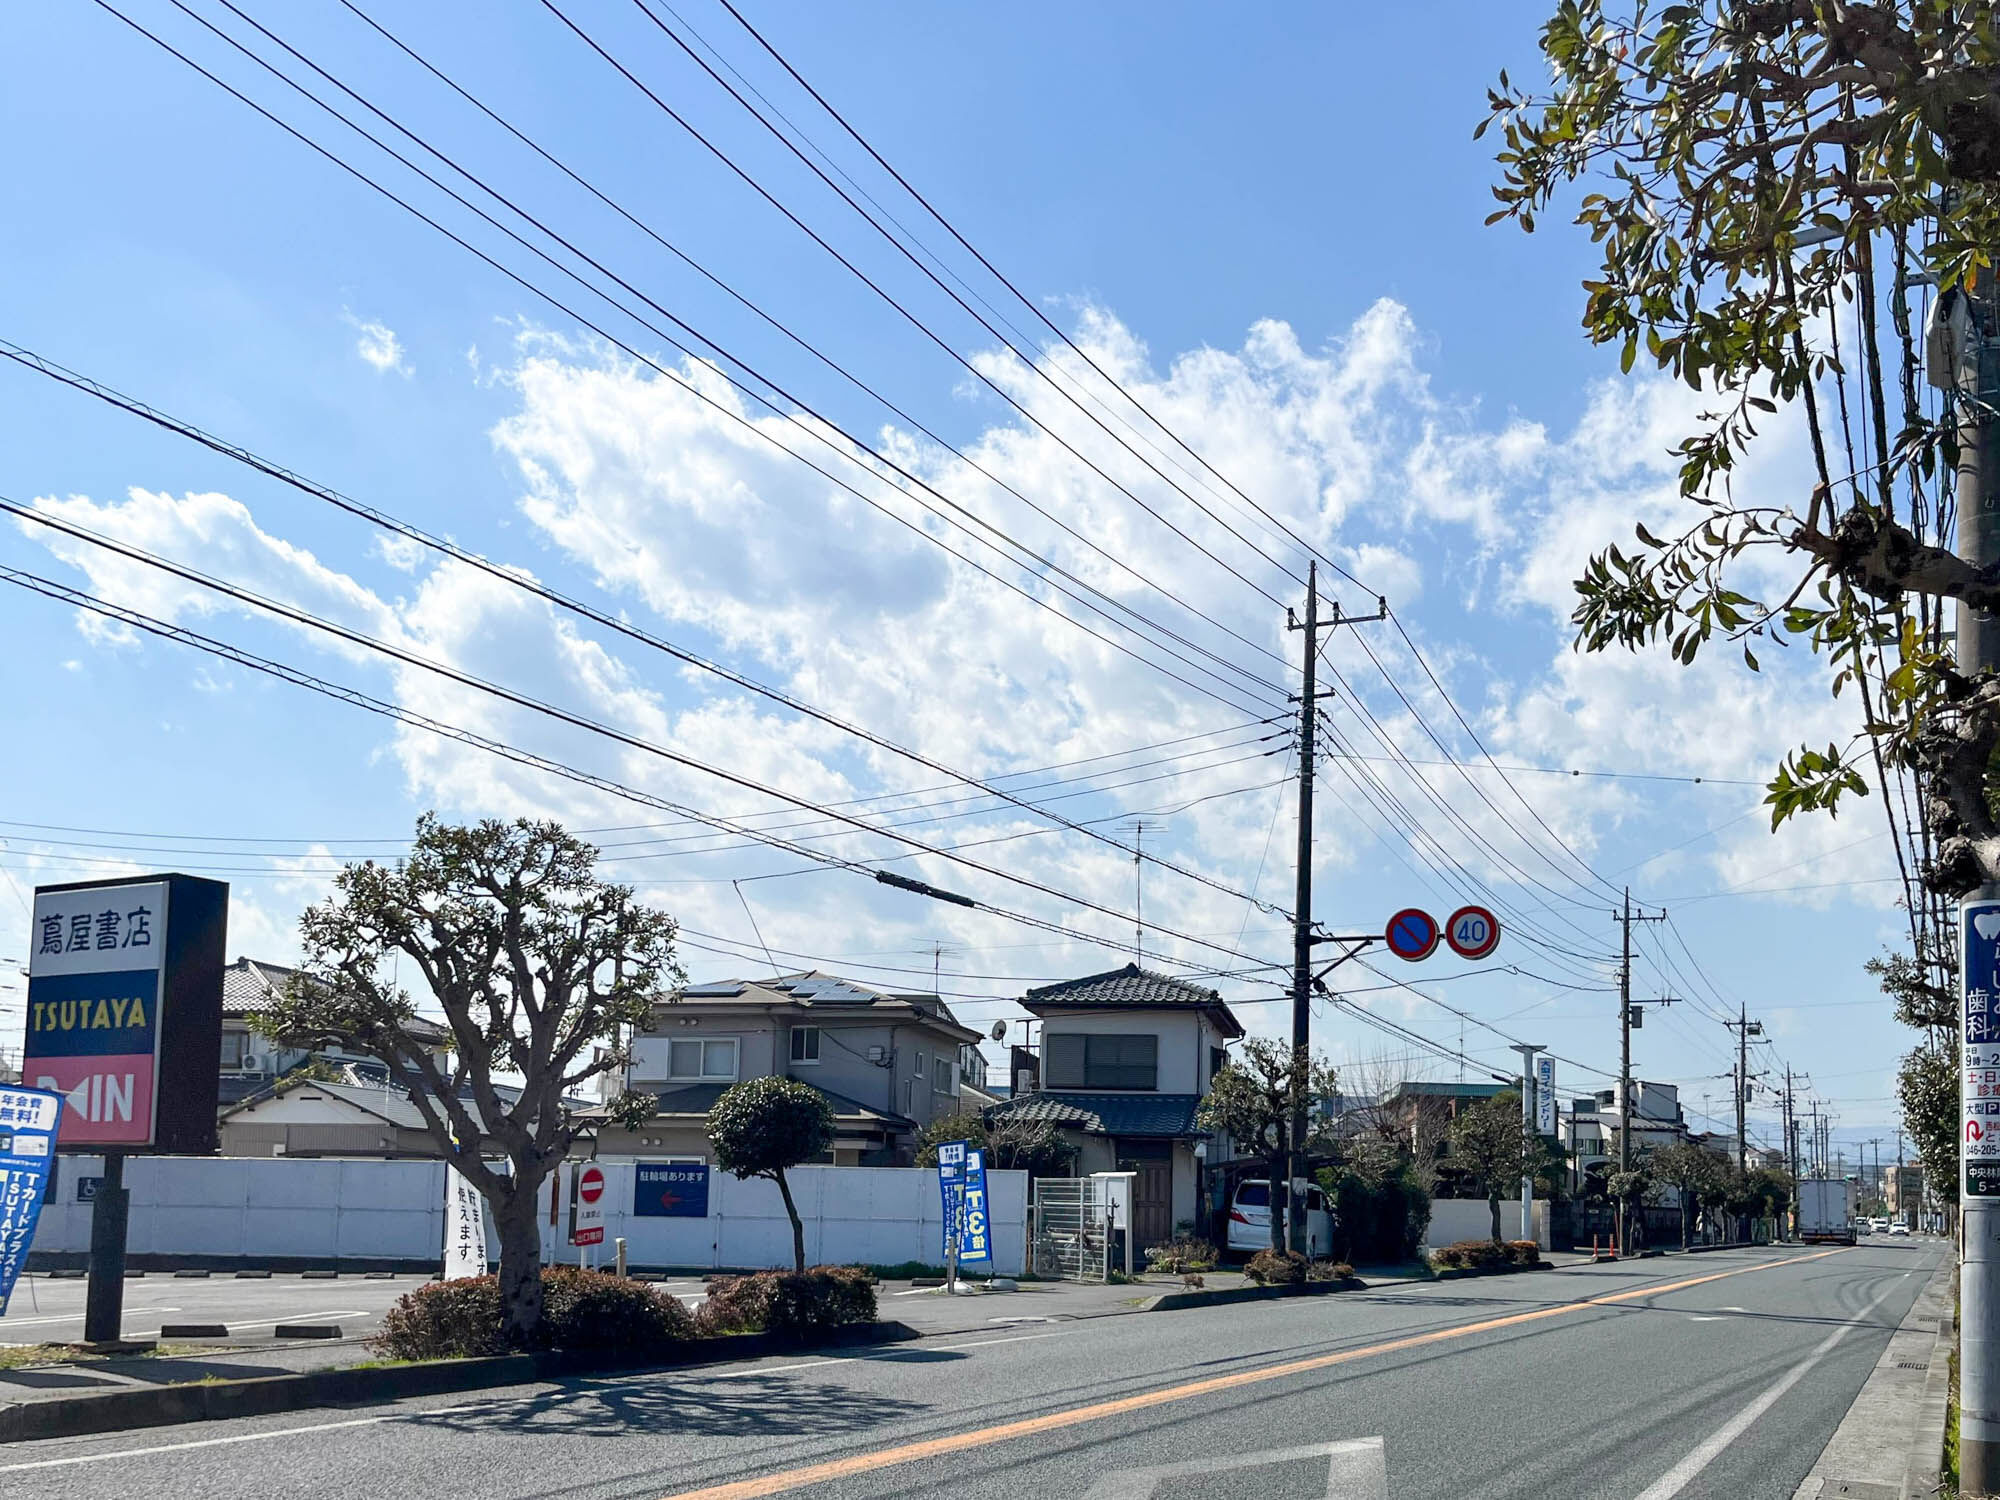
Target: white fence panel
1455,1219
270,1207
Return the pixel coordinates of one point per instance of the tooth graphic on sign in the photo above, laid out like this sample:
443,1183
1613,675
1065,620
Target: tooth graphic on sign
1987,924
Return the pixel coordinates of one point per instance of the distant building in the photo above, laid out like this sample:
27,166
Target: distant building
889,1062
252,1063
1589,1131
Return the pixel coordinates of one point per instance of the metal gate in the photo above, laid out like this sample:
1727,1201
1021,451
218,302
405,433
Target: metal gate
1068,1234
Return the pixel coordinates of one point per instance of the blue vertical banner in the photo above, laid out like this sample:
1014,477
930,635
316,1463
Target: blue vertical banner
975,1228
29,1120
1979,1087
951,1191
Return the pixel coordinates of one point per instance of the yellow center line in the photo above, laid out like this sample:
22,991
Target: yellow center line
883,1458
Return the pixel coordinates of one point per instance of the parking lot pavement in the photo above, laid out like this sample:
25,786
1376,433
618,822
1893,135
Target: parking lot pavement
46,1310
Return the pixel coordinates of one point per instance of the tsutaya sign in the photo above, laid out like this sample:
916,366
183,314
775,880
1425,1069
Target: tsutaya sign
125,1010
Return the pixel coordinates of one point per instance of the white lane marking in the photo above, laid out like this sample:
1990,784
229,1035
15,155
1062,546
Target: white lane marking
75,1317
1356,1470
1704,1318
1683,1473
406,1416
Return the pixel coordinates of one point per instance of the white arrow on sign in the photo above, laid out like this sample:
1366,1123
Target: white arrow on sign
1355,1470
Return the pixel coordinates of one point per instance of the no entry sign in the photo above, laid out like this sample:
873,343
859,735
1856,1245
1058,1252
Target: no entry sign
1412,934
586,1210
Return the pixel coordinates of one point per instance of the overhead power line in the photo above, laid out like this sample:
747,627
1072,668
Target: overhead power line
63,593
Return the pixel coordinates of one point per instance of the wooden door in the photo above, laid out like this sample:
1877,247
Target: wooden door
1152,1191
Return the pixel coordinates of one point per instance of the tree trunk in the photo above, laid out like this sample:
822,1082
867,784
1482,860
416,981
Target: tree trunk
1281,1195
1493,1203
798,1226
1686,1219
514,1214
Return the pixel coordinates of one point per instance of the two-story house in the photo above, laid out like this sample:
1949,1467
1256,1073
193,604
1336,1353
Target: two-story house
889,1063
1125,1059
252,1064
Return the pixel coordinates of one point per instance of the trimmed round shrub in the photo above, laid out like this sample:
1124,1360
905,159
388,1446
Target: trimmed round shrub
598,1311
585,1310
1276,1268
787,1303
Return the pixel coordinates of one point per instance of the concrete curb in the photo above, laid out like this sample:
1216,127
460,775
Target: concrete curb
1924,1473
168,1405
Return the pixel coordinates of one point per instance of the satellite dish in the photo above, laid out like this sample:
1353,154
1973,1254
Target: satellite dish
999,1031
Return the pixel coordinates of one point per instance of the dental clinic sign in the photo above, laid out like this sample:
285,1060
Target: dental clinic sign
1979,1087
125,1011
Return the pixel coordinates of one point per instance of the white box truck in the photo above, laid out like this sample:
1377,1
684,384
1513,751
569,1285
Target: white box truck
1825,1215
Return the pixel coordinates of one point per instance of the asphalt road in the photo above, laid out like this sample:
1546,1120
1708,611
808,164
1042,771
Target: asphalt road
1712,1376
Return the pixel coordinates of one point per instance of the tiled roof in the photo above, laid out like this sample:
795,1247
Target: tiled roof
250,985
1169,1115
1134,987
812,990
700,1099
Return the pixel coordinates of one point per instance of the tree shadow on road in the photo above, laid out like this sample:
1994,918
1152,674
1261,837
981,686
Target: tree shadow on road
772,1407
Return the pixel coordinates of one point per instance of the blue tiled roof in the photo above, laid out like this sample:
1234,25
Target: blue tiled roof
1168,1115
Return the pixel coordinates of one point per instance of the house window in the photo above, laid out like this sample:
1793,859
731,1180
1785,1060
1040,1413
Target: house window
944,1079
1217,1061
805,1044
917,1061
235,1050
695,1057
1089,1060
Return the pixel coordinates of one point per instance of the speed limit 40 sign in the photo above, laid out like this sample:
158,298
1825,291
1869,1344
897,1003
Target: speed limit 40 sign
1472,932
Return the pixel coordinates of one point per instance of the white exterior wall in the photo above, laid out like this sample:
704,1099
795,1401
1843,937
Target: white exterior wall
1185,1038
251,1207
1454,1219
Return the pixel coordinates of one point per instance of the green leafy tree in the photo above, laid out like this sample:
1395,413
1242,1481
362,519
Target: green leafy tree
1927,1087
1250,1099
540,970
765,1126
1764,181
1495,1150
1696,1174
1036,1148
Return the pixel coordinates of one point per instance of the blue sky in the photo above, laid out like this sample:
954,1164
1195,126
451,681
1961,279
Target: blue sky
1271,228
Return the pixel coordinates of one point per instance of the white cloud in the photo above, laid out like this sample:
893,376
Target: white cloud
378,346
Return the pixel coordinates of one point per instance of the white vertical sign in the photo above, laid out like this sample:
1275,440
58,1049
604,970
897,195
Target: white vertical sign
464,1227
1545,1095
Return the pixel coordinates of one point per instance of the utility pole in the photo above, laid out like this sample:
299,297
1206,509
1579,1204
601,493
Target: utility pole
1975,375
1745,1028
1625,919
1302,934
1876,1142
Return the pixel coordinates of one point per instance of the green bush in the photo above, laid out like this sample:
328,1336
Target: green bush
1329,1270
1276,1268
1472,1255
787,1303
1379,1216
583,1310
1181,1254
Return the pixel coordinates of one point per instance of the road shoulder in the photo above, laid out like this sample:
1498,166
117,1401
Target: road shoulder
1890,1443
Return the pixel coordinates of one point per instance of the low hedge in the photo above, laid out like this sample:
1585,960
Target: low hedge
1277,1268
1329,1270
787,1303
582,1310
1483,1255
1181,1254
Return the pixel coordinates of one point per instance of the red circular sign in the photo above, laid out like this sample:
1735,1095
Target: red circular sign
1412,934
1473,932
590,1186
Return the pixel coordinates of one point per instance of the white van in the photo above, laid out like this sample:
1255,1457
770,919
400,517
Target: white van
1250,1219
